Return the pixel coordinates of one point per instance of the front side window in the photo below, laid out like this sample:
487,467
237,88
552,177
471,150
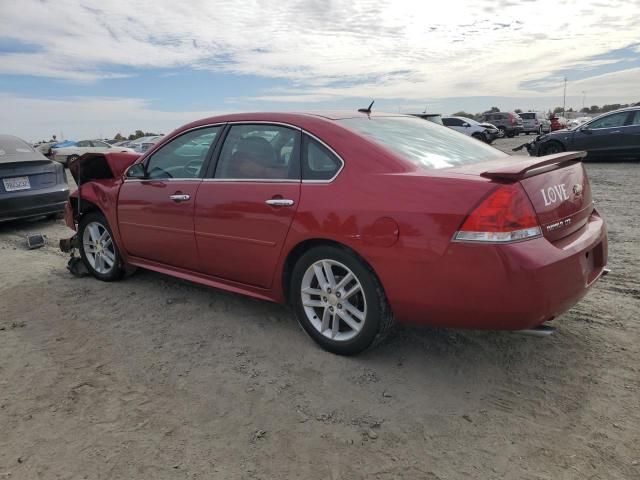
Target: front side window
452,122
99,144
318,162
425,144
84,143
610,121
260,152
184,156
635,121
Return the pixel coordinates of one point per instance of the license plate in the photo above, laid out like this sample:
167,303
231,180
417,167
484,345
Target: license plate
16,183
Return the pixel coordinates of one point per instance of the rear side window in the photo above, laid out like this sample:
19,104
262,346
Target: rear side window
260,152
427,145
318,162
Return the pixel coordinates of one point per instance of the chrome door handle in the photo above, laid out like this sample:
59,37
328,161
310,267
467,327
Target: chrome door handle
180,197
279,202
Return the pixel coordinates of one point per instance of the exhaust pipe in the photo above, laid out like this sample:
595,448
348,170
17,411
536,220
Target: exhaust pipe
541,331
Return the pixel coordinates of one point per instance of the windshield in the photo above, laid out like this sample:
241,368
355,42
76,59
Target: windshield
426,144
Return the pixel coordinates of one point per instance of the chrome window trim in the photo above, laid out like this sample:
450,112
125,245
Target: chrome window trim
253,180
159,179
150,152
330,180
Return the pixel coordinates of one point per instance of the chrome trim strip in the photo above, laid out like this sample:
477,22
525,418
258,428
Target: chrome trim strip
254,180
149,180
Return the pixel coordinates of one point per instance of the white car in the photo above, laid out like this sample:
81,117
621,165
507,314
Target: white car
143,144
468,127
65,154
577,121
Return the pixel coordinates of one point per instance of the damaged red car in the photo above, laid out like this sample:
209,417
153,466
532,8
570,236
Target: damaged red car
356,220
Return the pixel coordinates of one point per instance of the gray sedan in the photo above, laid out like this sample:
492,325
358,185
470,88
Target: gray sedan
30,184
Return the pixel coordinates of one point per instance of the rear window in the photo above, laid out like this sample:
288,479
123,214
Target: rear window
13,145
527,116
426,144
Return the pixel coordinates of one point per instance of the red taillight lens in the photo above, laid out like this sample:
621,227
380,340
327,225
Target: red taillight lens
513,120
506,215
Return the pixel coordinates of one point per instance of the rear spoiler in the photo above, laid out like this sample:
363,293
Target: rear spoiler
528,167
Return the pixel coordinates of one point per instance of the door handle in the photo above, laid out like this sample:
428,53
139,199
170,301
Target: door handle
279,202
616,131
180,197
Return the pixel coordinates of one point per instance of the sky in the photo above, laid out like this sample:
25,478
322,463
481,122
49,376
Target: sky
90,69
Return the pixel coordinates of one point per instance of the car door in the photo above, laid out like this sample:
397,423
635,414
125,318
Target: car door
155,213
602,136
632,134
246,205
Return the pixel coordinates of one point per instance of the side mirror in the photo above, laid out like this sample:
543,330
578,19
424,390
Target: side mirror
585,129
136,170
465,124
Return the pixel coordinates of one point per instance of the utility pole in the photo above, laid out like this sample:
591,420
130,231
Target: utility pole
564,98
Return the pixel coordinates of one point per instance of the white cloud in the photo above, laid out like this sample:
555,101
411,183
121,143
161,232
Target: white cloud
455,49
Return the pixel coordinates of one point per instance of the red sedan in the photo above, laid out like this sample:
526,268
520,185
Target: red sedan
356,220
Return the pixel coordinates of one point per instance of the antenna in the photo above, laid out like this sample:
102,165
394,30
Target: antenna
368,109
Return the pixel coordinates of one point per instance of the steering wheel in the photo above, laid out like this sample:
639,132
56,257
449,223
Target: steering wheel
194,166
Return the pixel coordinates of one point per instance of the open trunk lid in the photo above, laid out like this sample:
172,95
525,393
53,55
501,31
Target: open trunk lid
557,186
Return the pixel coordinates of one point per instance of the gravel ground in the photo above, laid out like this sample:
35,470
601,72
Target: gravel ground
156,378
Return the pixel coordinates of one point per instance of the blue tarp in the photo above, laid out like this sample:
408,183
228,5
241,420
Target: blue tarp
66,143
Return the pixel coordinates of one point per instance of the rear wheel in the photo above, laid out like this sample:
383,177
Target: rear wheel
550,148
479,136
339,301
97,248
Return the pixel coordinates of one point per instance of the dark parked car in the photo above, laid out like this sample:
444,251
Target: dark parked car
509,122
31,184
613,134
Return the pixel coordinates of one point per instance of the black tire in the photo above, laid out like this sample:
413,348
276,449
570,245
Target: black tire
511,134
549,148
116,271
479,136
378,320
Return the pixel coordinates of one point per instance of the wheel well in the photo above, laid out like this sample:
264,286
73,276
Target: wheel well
302,248
85,206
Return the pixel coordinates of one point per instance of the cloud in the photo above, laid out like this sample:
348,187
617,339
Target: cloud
320,45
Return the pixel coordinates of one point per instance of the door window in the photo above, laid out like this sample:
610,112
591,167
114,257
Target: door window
452,122
99,144
610,121
184,156
84,143
318,162
260,152
635,121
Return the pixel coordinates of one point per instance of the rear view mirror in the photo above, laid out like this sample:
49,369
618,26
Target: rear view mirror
136,170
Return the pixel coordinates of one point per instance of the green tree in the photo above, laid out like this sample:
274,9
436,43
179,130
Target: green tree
494,109
118,137
517,110
462,113
558,110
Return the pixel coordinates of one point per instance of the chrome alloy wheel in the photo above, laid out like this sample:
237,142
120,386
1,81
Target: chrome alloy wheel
333,300
98,247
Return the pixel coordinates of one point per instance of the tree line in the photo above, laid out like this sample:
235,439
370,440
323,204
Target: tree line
133,136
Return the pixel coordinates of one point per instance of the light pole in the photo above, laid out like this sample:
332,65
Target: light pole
564,98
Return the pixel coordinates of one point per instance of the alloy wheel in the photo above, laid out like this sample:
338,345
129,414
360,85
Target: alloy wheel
98,247
333,300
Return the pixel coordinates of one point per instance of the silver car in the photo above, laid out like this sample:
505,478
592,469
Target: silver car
535,122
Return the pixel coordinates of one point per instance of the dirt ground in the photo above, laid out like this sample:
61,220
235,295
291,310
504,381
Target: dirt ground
156,378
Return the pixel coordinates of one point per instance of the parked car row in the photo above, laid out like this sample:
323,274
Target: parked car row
66,153
611,135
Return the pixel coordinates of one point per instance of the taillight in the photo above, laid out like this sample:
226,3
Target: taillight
506,215
513,119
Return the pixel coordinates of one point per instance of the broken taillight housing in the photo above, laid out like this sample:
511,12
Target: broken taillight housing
506,215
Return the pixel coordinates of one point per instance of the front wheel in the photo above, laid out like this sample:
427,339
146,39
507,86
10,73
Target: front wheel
339,301
97,248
